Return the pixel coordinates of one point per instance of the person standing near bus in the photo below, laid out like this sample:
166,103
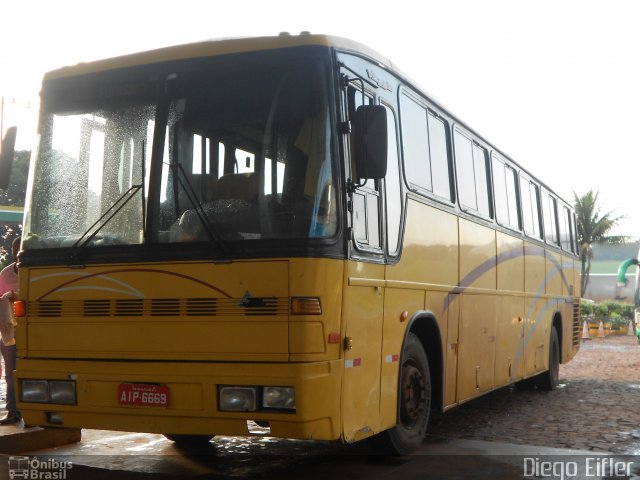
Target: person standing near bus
9,290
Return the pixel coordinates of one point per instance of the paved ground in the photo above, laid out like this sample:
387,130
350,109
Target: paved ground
596,407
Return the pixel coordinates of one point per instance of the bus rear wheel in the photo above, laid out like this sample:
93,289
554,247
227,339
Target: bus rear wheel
550,379
414,402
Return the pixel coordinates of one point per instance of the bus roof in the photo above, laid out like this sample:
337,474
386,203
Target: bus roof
214,47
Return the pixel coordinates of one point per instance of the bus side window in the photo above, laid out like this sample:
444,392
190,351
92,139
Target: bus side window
506,194
530,212
566,234
473,180
415,144
438,152
550,216
425,146
366,225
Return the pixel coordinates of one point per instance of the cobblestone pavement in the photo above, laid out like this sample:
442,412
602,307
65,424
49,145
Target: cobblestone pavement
596,407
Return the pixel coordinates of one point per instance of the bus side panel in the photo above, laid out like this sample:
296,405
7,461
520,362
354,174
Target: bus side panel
477,256
538,316
446,311
363,309
538,311
430,248
478,309
534,269
396,301
510,353
429,261
477,345
554,274
511,264
451,352
577,286
510,308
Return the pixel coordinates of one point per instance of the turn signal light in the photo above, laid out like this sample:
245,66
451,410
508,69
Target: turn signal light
19,308
305,306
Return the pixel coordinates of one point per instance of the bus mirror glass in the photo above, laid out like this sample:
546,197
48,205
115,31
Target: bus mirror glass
371,141
7,150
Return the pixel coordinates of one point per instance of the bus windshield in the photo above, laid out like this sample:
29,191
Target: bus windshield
245,156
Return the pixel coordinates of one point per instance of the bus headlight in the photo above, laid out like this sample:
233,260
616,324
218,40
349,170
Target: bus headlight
279,397
62,391
36,391
48,391
238,399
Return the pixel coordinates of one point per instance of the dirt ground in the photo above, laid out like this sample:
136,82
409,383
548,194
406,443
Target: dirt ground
596,407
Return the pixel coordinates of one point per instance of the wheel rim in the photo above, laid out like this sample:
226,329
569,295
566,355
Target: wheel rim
413,399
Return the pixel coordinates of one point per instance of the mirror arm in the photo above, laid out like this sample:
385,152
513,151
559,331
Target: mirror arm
351,186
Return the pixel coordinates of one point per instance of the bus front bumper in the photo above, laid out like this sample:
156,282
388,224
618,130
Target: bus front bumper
103,398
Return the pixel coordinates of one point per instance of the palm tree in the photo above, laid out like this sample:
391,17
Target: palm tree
592,227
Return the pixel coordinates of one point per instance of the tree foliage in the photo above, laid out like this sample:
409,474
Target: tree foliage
593,226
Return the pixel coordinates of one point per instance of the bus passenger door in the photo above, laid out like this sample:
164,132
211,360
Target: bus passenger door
362,307
363,314
363,297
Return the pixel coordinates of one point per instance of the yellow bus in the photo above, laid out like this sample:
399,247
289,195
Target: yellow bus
282,230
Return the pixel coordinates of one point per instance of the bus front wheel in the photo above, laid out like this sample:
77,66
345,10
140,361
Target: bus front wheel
414,402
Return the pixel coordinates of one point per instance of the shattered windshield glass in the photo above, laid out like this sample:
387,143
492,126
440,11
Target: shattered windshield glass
87,162
246,156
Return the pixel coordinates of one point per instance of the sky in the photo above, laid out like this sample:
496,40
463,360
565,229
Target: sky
555,84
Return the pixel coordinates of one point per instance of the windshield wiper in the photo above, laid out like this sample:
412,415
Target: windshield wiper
214,236
111,212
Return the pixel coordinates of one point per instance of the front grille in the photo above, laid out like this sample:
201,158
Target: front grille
160,307
50,308
92,308
201,307
165,307
129,308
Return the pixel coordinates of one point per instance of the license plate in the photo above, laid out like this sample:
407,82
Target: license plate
143,394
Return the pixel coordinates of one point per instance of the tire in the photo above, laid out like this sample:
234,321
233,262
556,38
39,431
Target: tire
526,384
414,403
550,379
186,441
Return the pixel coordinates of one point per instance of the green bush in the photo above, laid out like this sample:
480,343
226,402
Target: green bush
601,311
586,308
628,311
616,320
613,307
614,313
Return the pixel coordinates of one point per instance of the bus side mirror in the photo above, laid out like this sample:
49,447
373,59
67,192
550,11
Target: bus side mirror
371,141
7,151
